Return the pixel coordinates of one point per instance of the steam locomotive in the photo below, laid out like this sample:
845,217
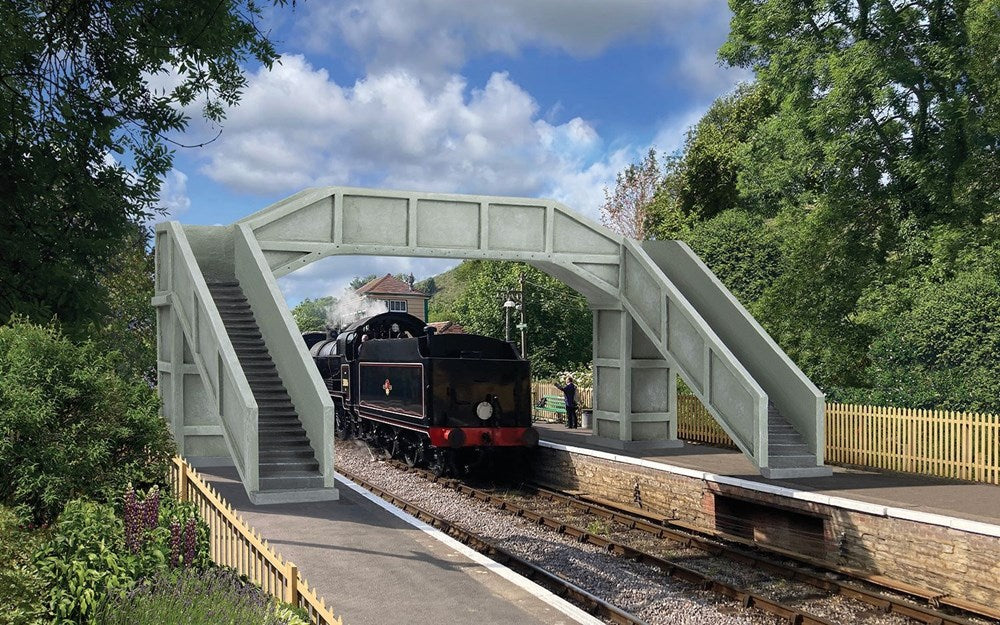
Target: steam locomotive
448,401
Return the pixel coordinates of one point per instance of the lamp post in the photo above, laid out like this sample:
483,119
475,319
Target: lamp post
507,307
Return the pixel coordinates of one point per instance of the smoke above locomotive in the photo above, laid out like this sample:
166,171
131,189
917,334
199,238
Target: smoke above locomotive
450,401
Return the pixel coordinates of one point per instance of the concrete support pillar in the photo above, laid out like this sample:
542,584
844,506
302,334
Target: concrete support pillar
635,397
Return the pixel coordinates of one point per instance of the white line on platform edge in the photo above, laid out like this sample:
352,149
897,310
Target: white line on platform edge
522,582
928,518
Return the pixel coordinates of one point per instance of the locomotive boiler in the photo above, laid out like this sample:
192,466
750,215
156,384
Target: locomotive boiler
449,401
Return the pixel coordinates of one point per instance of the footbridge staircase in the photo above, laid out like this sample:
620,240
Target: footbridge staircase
238,386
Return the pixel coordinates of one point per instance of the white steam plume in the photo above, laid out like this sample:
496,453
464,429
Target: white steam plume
351,307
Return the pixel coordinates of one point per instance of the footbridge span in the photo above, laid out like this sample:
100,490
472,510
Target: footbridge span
239,387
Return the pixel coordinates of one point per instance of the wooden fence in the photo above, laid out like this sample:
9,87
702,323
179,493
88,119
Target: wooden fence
959,445
235,544
584,399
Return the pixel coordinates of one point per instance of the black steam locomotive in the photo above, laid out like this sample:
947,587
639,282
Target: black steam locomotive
450,401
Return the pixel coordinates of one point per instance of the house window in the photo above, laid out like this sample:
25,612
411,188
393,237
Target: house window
396,305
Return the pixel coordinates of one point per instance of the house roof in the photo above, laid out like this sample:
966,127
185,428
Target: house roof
447,327
390,285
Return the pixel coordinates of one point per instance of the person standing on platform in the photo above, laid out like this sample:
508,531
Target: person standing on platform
569,391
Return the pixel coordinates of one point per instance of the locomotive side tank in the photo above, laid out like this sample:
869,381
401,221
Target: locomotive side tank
450,401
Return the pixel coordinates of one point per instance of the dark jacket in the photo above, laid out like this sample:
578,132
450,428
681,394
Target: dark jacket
570,392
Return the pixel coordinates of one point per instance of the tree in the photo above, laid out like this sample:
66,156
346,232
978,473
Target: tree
84,132
625,210
73,426
559,331
312,314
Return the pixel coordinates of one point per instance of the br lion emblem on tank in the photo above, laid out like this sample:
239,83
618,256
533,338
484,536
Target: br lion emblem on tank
387,386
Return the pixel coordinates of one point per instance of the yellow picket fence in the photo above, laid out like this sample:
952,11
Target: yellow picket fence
943,443
235,544
961,445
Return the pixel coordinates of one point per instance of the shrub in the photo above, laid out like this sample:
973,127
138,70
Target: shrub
19,580
92,557
70,425
215,596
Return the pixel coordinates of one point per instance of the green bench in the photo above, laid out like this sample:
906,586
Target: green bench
555,404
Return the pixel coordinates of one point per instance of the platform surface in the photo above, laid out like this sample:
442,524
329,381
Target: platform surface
374,568
932,495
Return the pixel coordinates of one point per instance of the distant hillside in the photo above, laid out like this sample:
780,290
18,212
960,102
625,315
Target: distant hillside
447,288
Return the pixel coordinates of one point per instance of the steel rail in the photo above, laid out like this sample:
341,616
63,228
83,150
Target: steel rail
588,602
685,538
696,578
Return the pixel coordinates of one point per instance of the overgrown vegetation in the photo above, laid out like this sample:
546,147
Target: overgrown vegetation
850,196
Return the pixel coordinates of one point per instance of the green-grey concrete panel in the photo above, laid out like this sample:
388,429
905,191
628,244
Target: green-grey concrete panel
650,430
608,429
688,347
643,293
164,333
603,271
447,224
213,247
310,223
651,390
516,228
608,385
278,259
375,220
728,397
573,237
199,409
642,347
206,446
607,338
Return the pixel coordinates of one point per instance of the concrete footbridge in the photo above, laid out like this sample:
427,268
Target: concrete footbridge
239,387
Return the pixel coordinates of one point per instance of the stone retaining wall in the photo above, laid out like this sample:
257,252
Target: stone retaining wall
954,562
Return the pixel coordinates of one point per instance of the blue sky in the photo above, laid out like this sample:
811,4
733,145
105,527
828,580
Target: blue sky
535,98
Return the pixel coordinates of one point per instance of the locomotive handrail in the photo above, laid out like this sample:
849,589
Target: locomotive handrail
181,285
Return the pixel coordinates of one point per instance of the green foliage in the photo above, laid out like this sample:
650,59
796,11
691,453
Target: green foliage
129,324
625,210
211,597
70,425
83,142
84,563
19,579
311,314
740,249
559,322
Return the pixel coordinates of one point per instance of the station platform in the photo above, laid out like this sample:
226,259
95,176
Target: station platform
956,504
376,565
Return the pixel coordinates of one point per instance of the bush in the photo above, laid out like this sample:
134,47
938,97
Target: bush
93,556
216,596
19,580
70,425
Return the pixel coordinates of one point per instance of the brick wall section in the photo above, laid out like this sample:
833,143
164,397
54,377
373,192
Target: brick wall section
954,562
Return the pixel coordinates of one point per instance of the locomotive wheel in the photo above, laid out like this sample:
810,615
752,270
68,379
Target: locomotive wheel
439,464
413,453
341,426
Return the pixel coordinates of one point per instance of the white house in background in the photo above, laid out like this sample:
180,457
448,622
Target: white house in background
398,296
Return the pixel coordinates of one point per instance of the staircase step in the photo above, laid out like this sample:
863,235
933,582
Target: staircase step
791,462
294,482
288,455
788,449
277,467
296,438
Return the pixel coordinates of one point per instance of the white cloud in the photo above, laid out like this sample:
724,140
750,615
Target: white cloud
296,127
174,200
431,37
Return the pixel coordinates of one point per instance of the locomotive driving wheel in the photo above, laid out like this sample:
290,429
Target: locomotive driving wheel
414,452
341,425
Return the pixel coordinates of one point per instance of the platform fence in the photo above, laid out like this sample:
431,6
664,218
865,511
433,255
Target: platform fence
584,400
942,443
235,544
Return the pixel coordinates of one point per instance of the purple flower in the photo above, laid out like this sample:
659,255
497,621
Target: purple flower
175,542
190,536
151,507
132,515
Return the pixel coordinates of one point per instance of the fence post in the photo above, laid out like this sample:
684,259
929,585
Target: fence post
293,584
182,480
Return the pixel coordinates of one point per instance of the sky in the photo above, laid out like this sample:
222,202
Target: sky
528,98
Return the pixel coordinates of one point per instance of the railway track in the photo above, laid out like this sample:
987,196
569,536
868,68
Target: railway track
560,586
562,506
